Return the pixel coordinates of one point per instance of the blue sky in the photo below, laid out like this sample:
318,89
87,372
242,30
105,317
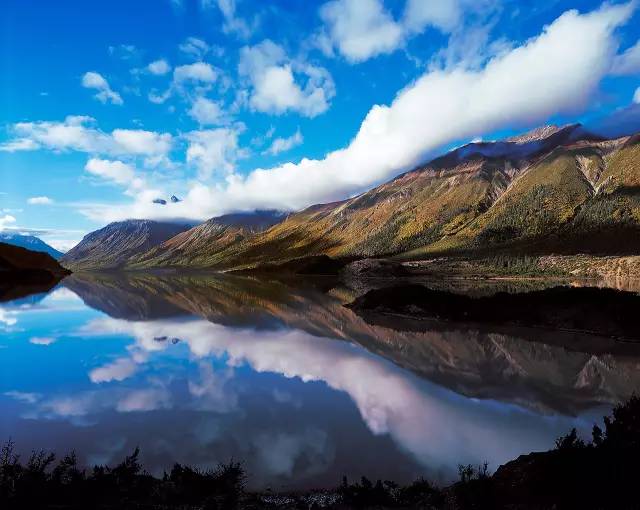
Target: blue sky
235,105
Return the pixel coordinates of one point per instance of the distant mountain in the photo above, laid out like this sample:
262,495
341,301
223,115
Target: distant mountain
199,245
31,243
24,272
113,245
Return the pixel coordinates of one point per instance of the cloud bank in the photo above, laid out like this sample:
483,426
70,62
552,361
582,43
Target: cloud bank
556,72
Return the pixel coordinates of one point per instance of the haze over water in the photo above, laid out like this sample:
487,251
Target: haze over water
204,369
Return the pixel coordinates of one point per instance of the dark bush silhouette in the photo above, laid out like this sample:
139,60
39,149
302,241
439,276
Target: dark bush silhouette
39,484
600,474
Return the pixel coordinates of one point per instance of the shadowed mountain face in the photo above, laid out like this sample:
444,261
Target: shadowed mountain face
112,246
24,272
542,370
32,243
560,190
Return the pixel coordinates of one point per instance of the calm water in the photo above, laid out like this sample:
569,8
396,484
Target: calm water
200,369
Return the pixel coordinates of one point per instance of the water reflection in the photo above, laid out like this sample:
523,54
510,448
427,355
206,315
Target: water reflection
199,369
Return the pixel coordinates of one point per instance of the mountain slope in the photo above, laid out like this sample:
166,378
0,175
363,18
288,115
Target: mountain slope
433,204
196,246
113,245
552,190
569,192
31,243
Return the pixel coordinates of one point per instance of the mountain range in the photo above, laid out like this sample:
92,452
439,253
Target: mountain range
551,190
29,242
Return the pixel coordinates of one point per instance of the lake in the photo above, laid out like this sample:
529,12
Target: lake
279,375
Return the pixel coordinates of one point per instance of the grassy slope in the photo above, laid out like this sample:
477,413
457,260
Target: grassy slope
583,197
406,212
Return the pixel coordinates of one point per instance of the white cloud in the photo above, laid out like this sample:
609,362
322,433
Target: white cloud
159,67
207,112
232,23
194,48
628,63
198,71
555,72
105,94
5,221
119,370
77,133
284,144
39,200
199,75
115,171
636,96
444,15
139,142
144,400
42,340
213,150
361,29
280,84
18,144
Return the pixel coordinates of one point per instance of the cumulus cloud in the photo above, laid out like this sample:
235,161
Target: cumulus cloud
78,133
115,171
213,150
232,23
444,15
42,200
5,221
159,67
119,370
105,94
199,75
362,29
280,84
207,112
284,144
556,72
194,48
628,63
198,71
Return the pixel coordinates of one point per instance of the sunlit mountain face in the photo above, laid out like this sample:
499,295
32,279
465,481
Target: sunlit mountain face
203,369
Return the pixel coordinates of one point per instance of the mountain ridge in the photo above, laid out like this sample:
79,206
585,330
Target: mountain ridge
111,246
553,189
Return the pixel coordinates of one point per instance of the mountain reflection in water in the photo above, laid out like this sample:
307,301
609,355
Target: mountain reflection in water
200,369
